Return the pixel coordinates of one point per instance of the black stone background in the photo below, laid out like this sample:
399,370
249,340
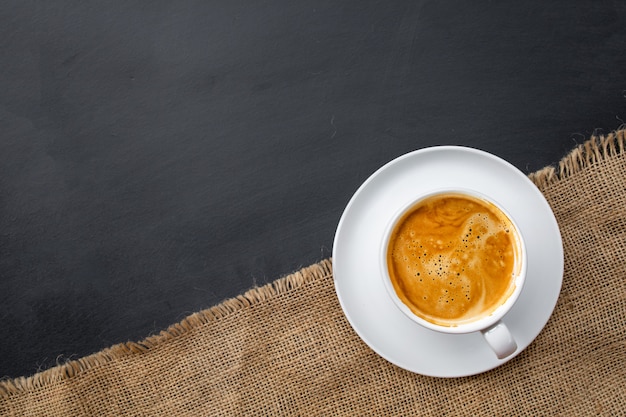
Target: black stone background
157,157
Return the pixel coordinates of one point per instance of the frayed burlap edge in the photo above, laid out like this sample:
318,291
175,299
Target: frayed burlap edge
593,151
68,370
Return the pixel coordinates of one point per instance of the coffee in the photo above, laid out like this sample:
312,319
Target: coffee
453,258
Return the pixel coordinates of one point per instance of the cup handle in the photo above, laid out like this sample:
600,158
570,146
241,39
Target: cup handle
500,340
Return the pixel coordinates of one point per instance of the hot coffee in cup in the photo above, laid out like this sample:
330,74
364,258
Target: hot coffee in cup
455,262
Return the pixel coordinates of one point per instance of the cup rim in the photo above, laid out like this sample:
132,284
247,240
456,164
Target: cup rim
482,323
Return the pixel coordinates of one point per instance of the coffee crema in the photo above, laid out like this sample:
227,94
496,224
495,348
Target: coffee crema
453,258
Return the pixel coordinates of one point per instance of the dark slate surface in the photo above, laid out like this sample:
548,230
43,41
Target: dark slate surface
157,157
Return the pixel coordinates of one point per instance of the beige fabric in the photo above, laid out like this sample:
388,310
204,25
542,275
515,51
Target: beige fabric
286,348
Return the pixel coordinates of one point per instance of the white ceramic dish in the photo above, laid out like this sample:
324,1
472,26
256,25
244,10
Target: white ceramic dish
362,295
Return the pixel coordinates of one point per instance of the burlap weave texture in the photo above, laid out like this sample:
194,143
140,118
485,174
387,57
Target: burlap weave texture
287,349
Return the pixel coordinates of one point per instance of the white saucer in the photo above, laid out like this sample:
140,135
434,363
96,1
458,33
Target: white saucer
362,295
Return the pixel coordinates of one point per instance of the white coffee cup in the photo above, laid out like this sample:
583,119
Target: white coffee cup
489,324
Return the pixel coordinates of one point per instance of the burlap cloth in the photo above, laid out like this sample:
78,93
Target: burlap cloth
286,348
